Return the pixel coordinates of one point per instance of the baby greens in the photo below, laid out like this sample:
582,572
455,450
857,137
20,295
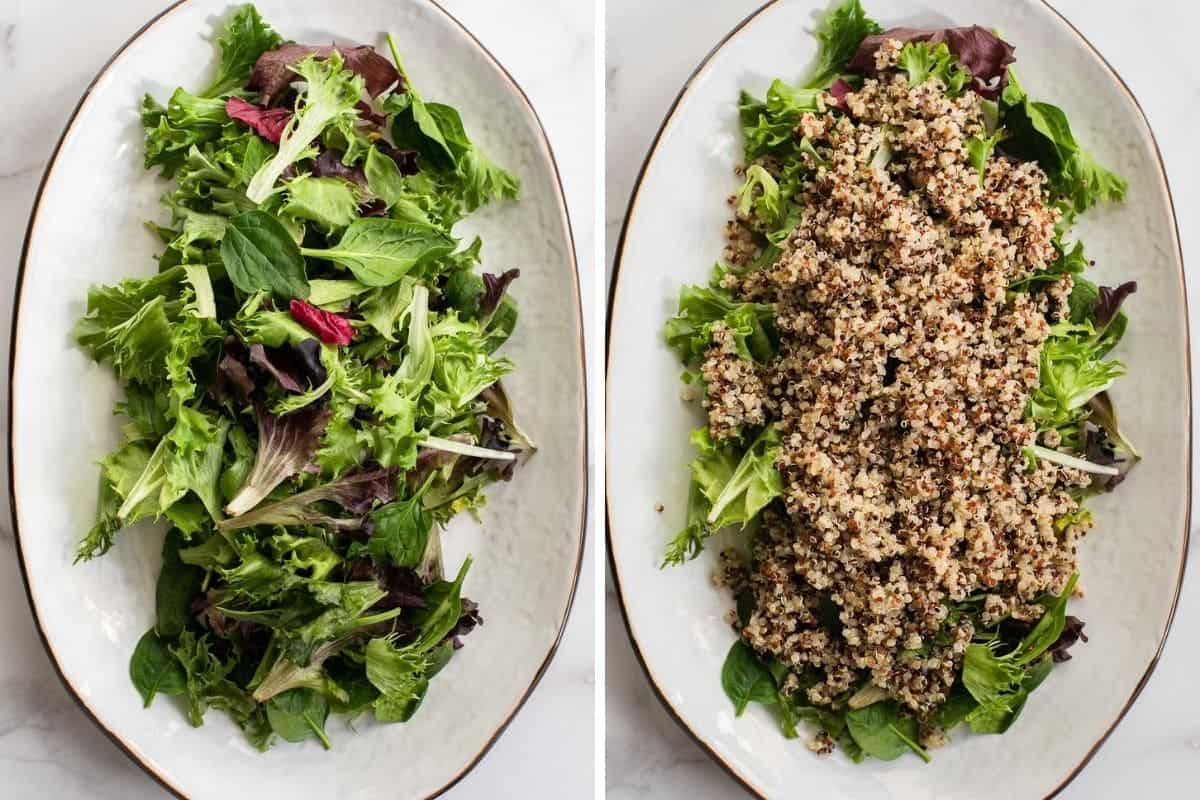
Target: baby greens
311,387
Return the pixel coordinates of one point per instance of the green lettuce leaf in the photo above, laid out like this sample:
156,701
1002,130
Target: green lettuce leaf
245,38
922,61
841,31
330,202
689,332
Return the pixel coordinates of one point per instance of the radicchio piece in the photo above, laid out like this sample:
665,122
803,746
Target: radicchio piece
986,55
329,327
272,71
1072,632
1097,448
266,122
494,288
329,165
1109,301
839,90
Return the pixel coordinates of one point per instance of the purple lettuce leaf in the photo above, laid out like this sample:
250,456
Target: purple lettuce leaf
982,52
1109,300
329,165
494,287
285,445
244,369
498,406
357,493
233,374
406,160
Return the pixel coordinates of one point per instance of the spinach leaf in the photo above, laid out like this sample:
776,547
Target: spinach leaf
352,678
746,679
959,704
154,670
415,127
299,714
443,607
882,733
178,584
380,252
383,177
1049,627
400,532
260,255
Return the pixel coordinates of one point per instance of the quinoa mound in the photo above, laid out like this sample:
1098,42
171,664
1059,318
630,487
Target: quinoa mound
899,392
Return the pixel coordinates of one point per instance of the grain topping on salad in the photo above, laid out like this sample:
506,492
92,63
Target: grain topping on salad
904,376
899,392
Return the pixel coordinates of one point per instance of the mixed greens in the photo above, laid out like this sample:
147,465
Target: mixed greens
733,481
311,383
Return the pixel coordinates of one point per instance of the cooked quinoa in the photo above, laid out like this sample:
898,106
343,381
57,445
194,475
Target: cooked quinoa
899,392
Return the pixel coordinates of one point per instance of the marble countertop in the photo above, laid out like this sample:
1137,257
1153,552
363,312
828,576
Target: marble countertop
652,48
49,51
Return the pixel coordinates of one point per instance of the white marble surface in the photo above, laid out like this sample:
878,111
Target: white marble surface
651,49
49,51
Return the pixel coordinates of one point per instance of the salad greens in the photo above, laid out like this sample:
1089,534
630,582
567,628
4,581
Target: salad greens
312,389
733,481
